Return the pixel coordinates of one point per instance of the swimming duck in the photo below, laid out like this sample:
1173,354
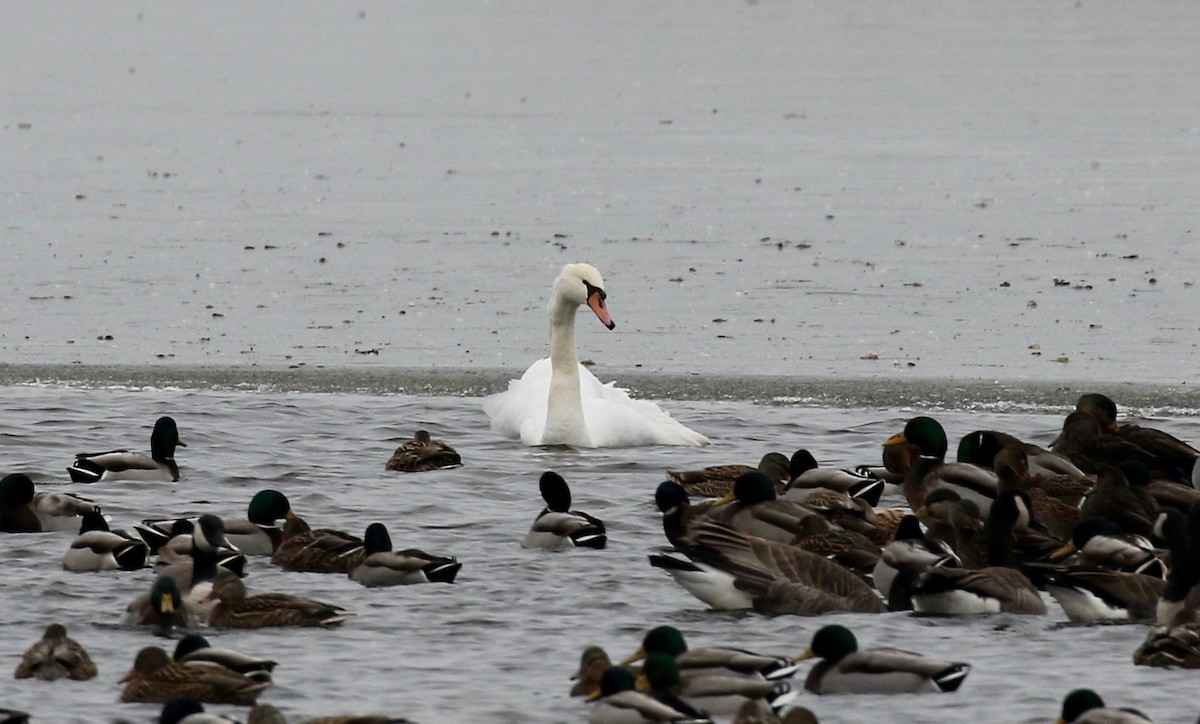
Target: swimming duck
323,550
176,553
155,678
99,549
729,570
185,710
716,481
931,471
593,662
422,454
718,693
1084,706
162,608
56,656
752,507
945,591
195,650
1178,457
1100,543
128,465
617,701
844,669
911,548
258,534
710,660
200,567
234,609
805,473
559,402
557,525
22,510
381,566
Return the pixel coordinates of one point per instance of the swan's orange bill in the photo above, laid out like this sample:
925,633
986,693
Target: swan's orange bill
596,302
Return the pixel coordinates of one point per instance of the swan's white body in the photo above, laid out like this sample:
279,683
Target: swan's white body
559,402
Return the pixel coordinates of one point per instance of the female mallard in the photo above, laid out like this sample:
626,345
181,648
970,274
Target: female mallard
234,609
721,694
729,570
593,662
557,525
323,550
1178,458
155,678
99,549
23,510
617,701
56,656
844,669
161,608
708,660
381,566
1088,447
128,465
1084,706
944,591
1177,645
258,534
931,471
753,508
1115,499
422,453
194,650
716,481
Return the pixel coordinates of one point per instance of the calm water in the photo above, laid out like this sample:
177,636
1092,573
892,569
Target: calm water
500,644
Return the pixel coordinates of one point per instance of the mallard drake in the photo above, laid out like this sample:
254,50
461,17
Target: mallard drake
910,549
617,701
557,525
195,650
805,473
1101,543
99,549
844,669
155,678
710,660
981,447
323,550
381,566
421,454
258,534
716,481
931,471
593,662
128,465
1115,499
1084,706
1177,645
728,569
1178,457
177,551
202,563
718,693
753,507
189,711
56,656
998,588
161,608
234,609
23,510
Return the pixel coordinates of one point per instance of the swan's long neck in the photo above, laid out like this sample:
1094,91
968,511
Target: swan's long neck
565,424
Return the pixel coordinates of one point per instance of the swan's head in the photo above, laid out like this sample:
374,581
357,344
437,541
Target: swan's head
582,284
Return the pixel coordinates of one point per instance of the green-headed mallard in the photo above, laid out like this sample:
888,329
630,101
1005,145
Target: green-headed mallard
981,447
195,650
56,656
128,465
24,510
1084,706
931,471
710,660
1101,543
323,550
617,701
198,568
234,609
845,669
155,678
945,591
258,534
715,692
728,569
716,481
754,508
557,525
422,453
805,474
99,549
382,566
162,608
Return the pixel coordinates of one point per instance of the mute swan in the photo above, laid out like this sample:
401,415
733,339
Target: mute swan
559,402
